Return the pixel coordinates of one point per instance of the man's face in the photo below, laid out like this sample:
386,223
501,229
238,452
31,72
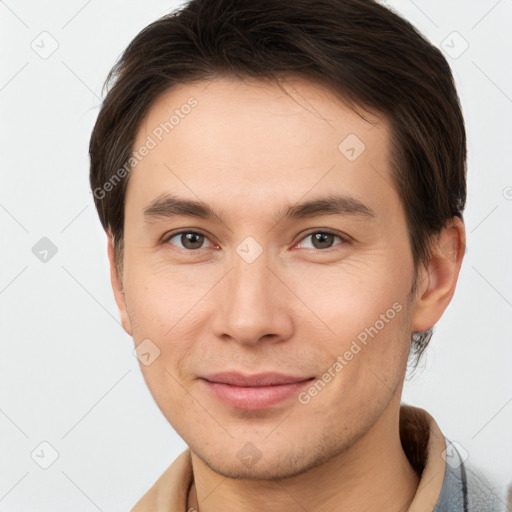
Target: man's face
251,291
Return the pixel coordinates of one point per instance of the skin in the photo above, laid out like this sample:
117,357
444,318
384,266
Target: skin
248,149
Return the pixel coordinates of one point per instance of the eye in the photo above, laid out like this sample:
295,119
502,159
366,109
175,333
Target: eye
190,240
193,240
323,239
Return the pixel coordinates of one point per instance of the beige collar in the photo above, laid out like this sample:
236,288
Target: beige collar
418,429
421,438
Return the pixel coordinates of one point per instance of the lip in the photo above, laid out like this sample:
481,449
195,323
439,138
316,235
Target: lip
259,379
252,392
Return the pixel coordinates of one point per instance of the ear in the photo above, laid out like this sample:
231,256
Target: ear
437,280
117,285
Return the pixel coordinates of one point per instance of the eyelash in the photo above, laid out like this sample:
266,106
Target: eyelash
344,239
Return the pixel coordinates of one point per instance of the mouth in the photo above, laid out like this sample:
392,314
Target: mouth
253,392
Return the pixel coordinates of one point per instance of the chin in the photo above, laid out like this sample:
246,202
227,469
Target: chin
261,467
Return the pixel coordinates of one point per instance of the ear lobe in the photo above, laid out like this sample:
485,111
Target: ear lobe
437,282
117,285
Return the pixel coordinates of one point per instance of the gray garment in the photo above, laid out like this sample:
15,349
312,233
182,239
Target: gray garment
465,489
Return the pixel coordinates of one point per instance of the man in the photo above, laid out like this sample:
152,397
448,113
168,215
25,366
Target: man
282,185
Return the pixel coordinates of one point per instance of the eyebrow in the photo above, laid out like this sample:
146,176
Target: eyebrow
169,205
343,205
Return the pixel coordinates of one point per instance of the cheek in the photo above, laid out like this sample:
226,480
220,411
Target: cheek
346,298
161,300
365,330
368,365
164,306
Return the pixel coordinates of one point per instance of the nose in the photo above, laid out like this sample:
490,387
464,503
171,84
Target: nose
254,304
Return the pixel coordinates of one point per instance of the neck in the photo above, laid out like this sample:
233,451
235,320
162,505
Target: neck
374,474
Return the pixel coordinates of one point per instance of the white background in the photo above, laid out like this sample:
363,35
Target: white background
67,372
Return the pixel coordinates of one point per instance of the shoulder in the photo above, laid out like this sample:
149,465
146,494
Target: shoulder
467,489
483,493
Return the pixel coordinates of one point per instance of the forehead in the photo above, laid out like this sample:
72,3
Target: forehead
251,145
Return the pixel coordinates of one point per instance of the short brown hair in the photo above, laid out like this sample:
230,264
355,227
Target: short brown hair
368,54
